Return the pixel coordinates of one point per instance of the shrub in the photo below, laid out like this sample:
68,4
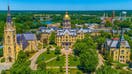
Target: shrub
2,60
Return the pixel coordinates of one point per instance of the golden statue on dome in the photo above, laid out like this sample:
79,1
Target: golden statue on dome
67,17
66,21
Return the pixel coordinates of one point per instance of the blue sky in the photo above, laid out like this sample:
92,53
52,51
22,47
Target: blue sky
67,4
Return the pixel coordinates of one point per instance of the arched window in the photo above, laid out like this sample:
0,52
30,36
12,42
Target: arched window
8,39
9,50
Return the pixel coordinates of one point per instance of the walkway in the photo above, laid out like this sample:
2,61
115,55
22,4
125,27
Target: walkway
51,59
101,60
33,59
56,67
66,61
5,66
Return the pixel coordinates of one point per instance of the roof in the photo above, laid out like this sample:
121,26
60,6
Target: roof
24,38
71,32
115,43
30,37
46,30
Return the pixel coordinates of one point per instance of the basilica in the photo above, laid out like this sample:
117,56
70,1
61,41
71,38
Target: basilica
13,42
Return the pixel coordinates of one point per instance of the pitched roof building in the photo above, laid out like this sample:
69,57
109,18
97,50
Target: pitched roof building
119,49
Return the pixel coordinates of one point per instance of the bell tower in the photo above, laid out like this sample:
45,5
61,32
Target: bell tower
9,50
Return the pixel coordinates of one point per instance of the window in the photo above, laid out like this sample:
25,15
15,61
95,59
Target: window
9,50
126,56
122,51
8,39
123,56
120,56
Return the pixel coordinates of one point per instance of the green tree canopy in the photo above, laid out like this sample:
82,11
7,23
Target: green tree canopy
52,38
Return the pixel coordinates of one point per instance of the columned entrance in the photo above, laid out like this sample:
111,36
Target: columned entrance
66,45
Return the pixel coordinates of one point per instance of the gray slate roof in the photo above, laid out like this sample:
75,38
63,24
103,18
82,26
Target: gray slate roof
115,43
24,38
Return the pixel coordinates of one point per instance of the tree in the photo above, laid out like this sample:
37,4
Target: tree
2,24
3,72
21,66
88,61
86,49
57,50
58,58
106,70
48,51
108,24
61,69
52,38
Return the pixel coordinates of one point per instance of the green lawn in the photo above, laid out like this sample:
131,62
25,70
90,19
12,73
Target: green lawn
75,71
44,56
73,61
54,62
55,71
119,64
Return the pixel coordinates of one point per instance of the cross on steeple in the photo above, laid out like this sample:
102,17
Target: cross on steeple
8,14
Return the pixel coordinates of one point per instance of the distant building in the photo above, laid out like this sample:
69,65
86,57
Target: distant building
119,49
56,25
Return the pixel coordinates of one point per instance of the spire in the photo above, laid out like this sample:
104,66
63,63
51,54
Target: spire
121,39
113,14
104,15
8,14
122,35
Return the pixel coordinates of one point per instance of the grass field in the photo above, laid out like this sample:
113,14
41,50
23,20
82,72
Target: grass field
44,56
54,62
75,71
55,71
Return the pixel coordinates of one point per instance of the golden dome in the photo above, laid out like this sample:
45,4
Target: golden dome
67,17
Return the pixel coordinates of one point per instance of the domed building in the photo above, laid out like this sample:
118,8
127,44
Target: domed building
66,21
65,37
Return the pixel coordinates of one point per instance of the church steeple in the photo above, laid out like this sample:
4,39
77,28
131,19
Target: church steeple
8,15
9,51
122,35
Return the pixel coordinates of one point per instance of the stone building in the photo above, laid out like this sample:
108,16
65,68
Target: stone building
119,49
13,42
65,37
27,42
10,50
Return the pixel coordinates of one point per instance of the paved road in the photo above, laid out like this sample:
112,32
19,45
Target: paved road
51,59
101,60
33,59
5,66
66,62
70,67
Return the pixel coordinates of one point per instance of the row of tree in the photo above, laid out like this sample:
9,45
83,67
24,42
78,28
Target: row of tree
86,50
